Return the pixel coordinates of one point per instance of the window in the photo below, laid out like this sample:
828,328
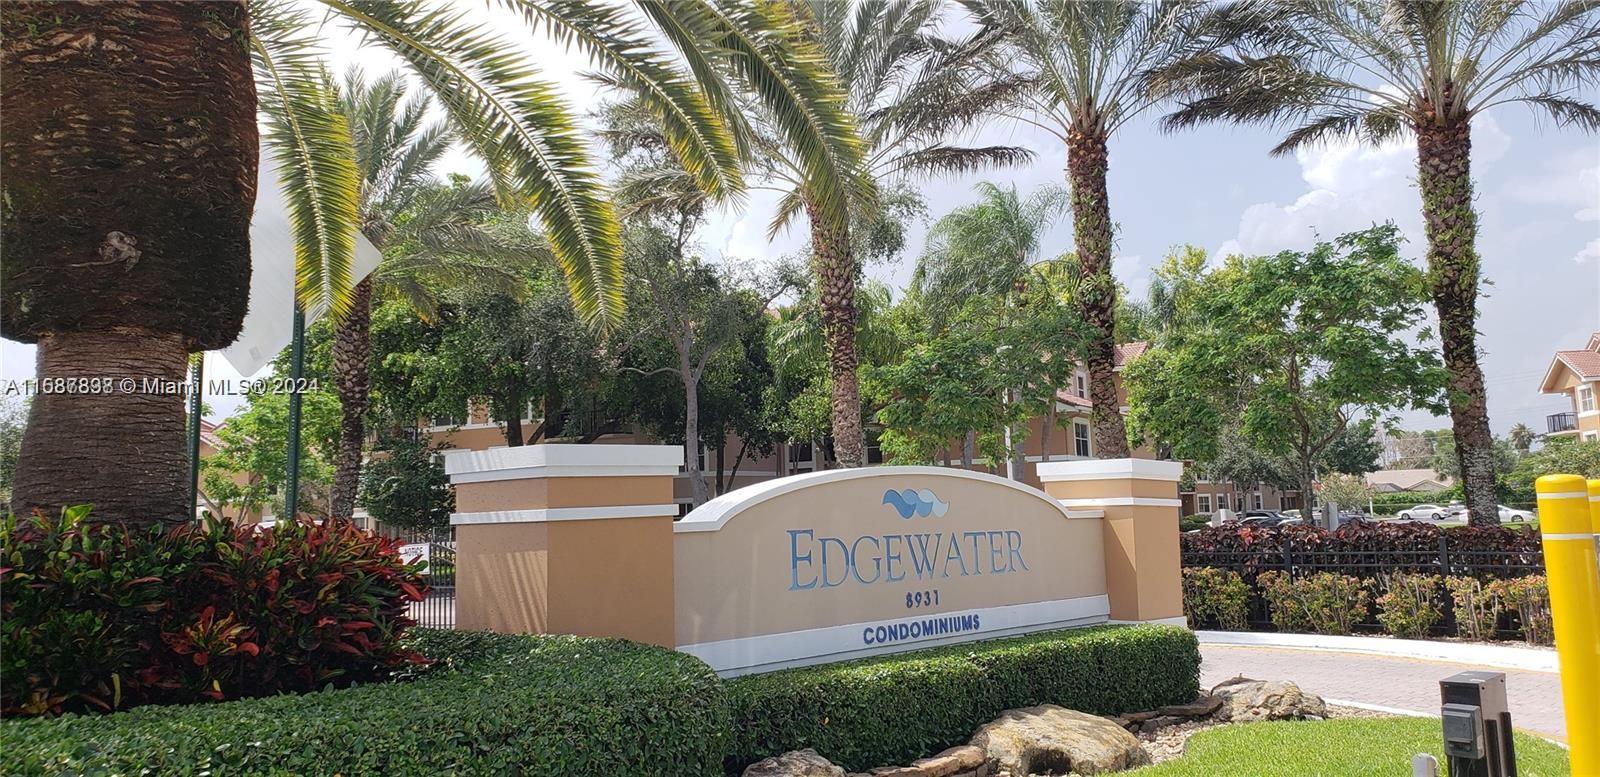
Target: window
1080,438
1591,436
1586,399
1222,501
1204,503
1257,500
1082,390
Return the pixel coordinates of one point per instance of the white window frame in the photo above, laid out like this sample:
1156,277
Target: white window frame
1222,501
1257,500
1591,436
1080,435
1202,503
1585,399
1083,390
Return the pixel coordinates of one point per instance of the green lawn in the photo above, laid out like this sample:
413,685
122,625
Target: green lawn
1351,747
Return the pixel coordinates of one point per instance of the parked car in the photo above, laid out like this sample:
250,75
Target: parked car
1507,515
1266,518
1429,512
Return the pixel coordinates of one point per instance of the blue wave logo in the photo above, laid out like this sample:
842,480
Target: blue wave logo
913,502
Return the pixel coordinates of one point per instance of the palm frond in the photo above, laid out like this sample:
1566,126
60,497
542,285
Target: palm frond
950,160
1566,111
518,125
696,132
310,144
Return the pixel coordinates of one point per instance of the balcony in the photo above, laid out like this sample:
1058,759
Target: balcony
1559,423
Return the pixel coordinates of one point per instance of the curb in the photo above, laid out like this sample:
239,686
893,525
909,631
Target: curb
1496,656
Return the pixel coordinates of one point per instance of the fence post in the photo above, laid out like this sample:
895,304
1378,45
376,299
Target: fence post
1570,567
1444,555
1288,559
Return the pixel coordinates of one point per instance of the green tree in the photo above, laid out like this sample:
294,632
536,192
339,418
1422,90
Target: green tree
1081,74
1446,462
430,235
13,418
1294,346
255,441
1379,69
1346,490
911,93
407,487
94,256
1559,456
1522,438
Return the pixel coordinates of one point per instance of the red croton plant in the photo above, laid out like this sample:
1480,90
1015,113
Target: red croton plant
101,617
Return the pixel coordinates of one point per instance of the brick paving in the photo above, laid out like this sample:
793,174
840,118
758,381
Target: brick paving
1403,683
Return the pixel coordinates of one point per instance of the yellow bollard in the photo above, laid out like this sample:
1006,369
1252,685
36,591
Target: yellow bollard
1573,571
1594,516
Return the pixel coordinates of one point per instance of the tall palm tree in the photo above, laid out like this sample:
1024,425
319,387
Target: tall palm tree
1377,69
430,235
1085,65
910,92
1522,438
134,127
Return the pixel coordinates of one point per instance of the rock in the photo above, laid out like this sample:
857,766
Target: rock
1199,708
1054,740
1140,717
961,760
795,763
1153,725
896,771
1246,700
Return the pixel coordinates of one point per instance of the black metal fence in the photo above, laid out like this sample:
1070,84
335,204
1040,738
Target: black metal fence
438,610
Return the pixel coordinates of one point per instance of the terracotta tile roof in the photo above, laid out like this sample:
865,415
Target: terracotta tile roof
1072,398
1584,363
1127,352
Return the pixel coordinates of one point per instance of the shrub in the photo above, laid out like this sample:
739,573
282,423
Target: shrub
1529,598
1407,607
1477,607
1216,596
1193,522
1323,603
893,709
102,616
1361,548
492,705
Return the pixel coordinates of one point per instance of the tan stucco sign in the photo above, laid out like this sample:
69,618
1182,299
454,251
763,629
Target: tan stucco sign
844,563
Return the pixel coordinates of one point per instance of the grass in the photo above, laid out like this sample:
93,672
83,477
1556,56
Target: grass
1351,747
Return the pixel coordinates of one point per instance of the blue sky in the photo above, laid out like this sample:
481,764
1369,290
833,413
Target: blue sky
1538,193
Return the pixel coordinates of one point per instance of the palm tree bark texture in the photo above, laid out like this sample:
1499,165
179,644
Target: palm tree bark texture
1444,167
352,352
129,166
836,275
1091,229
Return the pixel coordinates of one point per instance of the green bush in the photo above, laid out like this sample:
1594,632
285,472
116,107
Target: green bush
1407,607
1529,598
894,709
492,705
1217,597
1192,522
1323,603
1477,607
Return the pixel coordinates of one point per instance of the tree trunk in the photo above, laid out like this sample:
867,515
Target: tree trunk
691,436
1049,426
352,353
1444,166
722,486
1091,229
115,441
512,410
967,445
836,277
129,162
1307,492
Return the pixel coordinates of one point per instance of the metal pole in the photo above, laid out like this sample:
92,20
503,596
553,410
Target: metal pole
194,430
297,358
1570,567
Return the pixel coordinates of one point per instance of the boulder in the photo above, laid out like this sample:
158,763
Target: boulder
1153,725
1245,700
962,760
795,763
1054,740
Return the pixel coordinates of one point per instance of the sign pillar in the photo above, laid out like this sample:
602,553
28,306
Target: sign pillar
566,539
1144,580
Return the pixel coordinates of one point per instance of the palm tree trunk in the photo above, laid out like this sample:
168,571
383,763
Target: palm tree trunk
1444,165
836,275
115,441
1091,229
352,354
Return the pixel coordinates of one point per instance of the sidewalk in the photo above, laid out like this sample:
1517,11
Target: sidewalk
1402,683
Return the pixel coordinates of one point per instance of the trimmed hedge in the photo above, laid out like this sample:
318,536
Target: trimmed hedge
895,709
494,704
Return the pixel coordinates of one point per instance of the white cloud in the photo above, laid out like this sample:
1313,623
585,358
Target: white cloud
1352,186
1590,251
1568,181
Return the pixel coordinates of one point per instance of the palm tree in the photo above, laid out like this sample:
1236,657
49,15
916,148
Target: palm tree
910,91
134,125
1377,69
430,234
1085,66
990,249
1522,438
